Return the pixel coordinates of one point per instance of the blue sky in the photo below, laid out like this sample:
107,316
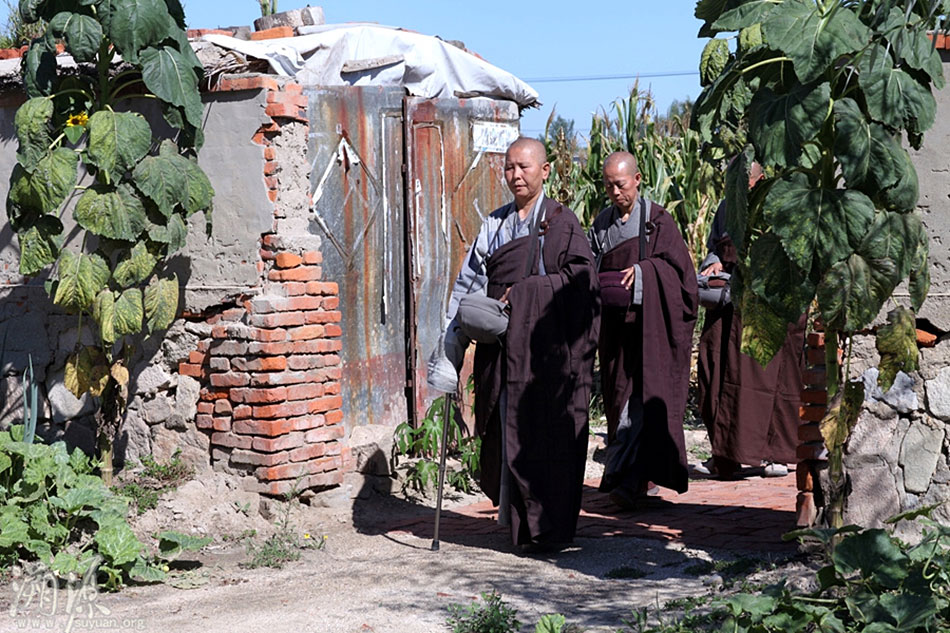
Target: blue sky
534,40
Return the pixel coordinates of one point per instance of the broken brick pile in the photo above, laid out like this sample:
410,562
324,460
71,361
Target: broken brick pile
812,455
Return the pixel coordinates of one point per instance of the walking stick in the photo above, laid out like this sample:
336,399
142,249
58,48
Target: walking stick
446,414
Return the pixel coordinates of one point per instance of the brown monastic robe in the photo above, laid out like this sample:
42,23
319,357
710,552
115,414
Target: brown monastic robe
645,352
750,411
545,366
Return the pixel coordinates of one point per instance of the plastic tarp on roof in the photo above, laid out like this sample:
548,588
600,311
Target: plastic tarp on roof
374,55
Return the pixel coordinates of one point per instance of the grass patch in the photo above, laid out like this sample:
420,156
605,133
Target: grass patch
626,573
153,480
728,569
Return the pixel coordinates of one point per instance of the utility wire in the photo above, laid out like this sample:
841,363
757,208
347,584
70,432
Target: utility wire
539,80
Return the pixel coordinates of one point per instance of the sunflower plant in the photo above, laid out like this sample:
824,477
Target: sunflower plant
86,152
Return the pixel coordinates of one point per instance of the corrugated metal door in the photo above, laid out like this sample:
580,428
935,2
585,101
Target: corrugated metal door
455,165
356,150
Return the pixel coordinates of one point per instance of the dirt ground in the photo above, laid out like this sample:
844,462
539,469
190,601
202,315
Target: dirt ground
367,578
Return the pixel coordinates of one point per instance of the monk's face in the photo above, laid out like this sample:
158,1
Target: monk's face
622,182
525,171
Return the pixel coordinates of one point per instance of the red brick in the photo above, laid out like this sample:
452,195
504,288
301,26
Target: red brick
307,422
815,356
268,336
272,195
288,260
814,377
194,34
304,392
278,319
270,153
271,182
228,348
292,98
196,357
205,407
219,363
190,369
325,480
304,453
301,273
307,332
241,412
325,434
204,421
270,168
280,378
332,373
323,288
812,450
330,303
284,442
284,471
223,407
222,424
926,339
270,428
257,82
331,388
255,396
209,395
806,513
333,329
286,409
333,417
294,288
810,432
229,379
276,488
313,257
332,359
265,363
323,316
333,448
815,396
274,33
230,440
812,412
804,478
252,458
326,463
305,362
816,339
328,403
233,314
286,111
271,349
293,88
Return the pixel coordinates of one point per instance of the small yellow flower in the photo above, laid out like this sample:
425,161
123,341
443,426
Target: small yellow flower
306,535
77,119
325,537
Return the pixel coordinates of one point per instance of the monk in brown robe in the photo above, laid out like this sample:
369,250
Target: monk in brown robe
649,305
750,411
532,389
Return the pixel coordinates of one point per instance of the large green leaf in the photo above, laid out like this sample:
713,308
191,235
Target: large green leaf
886,161
913,46
103,312
162,180
902,196
875,554
894,97
814,39
776,280
83,34
850,296
737,199
815,224
14,531
919,283
909,611
29,10
118,543
32,131
46,188
172,544
197,185
171,77
890,246
40,244
897,345
763,331
80,278
134,25
172,234
128,312
780,124
745,15
39,69
852,141
117,141
113,213
136,267
161,303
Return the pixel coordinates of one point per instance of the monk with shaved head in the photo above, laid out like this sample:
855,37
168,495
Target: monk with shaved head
533,380
649,304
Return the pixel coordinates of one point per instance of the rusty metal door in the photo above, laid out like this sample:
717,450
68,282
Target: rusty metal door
455,164
356,151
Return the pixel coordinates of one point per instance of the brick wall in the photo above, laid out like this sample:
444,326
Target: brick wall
270,371
812,456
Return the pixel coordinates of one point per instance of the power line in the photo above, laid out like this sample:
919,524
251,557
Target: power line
680,73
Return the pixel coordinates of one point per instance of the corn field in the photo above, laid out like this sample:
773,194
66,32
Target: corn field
669,156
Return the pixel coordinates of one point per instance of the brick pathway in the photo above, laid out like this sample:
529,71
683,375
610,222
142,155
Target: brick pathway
749,514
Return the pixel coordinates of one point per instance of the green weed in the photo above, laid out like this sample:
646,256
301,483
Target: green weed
493,615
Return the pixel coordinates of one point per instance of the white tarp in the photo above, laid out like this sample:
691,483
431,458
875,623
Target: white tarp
374,55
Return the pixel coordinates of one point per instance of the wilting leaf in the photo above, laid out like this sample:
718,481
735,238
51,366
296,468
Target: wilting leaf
40,244
117,214
737,198
117,141
713,60
120,373
897,344
136,267
919,283
852,141
103,312
847,297
197,185
781,124
86,372
80,278
51,181
842,415
32,130
173,234
161,303
815,223
776,280
894,97
129,312
172,544
763,331
162,180
812,37
903,195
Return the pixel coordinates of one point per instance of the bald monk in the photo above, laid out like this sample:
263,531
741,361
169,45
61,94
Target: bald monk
532,388
649,305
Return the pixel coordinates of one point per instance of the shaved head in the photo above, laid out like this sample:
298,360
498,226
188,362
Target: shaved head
532,145
625,162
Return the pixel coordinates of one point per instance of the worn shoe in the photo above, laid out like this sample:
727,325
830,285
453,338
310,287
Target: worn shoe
706,468
772,469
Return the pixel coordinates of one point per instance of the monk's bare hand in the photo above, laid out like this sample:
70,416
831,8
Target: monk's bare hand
712,269
629,275
504,297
